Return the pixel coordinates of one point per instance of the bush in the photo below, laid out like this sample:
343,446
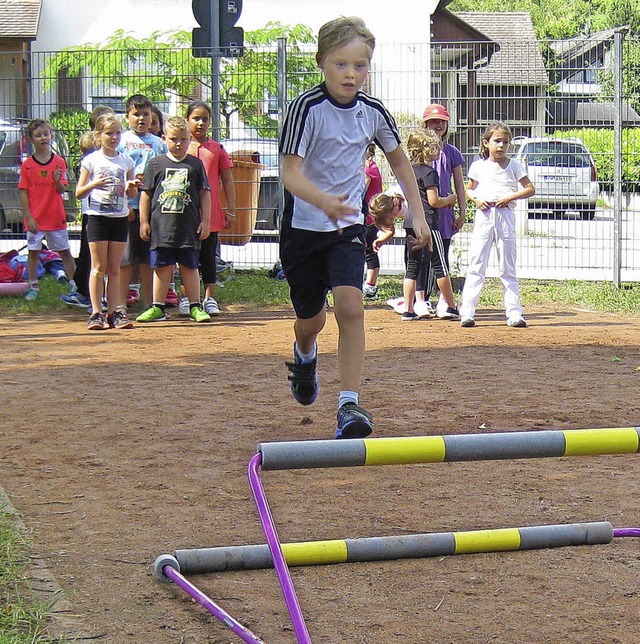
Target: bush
73,123
600,143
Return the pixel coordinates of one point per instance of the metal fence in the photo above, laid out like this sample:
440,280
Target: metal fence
581,93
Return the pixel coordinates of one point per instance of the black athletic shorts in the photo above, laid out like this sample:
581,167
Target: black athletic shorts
315,262
101,228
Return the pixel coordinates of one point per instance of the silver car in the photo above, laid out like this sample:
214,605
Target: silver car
563,173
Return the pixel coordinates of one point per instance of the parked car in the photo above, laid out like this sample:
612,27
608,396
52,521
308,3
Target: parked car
270,201
563,173
14,149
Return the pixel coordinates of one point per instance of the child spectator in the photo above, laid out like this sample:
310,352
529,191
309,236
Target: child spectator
81,297
373,183
157,121
142,146
324,140
175,211
493,185
217,165
43,179
106,180
424,147
448,166
383,209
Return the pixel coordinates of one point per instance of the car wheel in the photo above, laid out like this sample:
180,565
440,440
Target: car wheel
588,214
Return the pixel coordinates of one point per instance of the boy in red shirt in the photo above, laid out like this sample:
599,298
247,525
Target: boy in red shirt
43,179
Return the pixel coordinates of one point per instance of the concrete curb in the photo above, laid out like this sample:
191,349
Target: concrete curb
61,621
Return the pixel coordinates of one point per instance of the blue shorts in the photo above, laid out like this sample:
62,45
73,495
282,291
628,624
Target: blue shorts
187,257
315,262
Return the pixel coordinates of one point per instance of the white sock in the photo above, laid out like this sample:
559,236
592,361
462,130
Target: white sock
305,358
347,397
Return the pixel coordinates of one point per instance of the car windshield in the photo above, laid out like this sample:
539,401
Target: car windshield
558,154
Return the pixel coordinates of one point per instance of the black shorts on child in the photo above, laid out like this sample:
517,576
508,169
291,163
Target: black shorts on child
101,228
315,262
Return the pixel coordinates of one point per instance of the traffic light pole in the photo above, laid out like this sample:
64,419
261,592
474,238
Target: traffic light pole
214,32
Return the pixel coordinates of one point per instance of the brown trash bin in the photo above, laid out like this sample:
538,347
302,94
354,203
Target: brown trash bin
246,178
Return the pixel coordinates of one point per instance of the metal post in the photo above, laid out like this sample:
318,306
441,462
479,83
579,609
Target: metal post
215,68
618,39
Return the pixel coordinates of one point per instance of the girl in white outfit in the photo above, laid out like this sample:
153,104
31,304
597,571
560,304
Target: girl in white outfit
495,182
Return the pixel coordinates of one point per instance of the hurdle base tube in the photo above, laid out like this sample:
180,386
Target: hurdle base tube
206,602
413,546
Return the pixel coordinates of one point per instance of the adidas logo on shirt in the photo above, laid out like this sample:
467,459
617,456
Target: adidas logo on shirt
359,114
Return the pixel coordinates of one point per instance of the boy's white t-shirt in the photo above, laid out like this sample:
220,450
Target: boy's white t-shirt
495,182
110,201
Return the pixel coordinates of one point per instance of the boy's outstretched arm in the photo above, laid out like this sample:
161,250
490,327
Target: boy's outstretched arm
404,174
296,183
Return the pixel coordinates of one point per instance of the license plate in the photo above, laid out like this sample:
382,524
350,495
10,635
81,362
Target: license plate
558,179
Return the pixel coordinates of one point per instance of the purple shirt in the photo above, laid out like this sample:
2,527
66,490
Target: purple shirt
449,159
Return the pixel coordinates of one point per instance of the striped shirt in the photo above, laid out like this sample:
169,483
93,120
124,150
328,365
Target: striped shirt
332,139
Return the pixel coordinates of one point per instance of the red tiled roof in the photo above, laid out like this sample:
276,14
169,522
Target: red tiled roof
19,19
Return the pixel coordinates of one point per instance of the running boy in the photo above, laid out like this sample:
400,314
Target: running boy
175,211
142,146
324,140
43,179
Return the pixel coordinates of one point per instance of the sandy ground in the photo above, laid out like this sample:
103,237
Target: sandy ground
120,446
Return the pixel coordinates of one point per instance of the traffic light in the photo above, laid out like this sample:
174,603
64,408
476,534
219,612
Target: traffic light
231,38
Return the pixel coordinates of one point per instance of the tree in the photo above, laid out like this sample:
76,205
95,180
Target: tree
557,19
162,65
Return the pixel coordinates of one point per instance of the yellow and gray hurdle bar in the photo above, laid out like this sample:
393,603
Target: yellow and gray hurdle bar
396,451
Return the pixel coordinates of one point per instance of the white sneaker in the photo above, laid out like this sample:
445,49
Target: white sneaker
183,306
210,306
423,310
518,323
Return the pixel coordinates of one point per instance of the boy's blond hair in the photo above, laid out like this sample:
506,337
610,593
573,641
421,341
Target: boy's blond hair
176,123
423,146
87,143
339,32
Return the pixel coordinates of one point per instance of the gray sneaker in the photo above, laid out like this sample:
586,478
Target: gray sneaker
353,422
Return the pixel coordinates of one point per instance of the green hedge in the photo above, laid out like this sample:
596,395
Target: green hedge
600,143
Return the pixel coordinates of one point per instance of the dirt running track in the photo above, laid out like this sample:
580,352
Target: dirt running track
120,446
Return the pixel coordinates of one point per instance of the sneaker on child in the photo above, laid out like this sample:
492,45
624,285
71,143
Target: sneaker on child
76,299
152,314
172,298
183,306
133,296
32,293
97,322
353,422
423,309
518,323
409,316
369,291
119,320
211,306
468,322
198,314
303,379
449,314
